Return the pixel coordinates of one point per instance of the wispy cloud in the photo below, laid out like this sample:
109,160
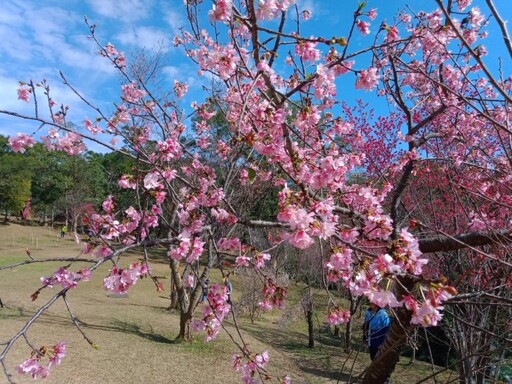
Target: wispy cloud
174,19
144,37
124,10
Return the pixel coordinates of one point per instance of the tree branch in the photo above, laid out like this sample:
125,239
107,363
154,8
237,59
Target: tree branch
473,239
502,25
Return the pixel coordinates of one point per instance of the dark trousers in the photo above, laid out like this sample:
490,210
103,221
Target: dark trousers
373,351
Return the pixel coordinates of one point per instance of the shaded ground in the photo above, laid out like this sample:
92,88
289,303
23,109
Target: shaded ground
135,335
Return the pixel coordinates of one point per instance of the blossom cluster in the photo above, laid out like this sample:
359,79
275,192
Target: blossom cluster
117,57
119,280
213,313
336,315
66,278
24,93
249,369
20,142
273,296
34,365
109,227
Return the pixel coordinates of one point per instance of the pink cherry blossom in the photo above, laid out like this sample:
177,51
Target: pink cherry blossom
222,10
341,259
127,181
337,316
108,204
103,251
132,93
152,181
34,365
34,368
249,366
383,298
261,359
307,51
93,128
227,244
110,49
273,296
213,313
392,34
180,89
24,93
259,260
120,280
427,315
363,26
66,278
475,17
410,303
406,17
299,239
367,79
242,261
59,352
188,249
267,9
19,142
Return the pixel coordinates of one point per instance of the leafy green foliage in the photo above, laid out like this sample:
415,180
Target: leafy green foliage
15,180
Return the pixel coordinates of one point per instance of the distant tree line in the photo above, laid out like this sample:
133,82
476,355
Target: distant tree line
47,186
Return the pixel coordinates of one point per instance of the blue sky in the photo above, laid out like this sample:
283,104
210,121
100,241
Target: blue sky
42,37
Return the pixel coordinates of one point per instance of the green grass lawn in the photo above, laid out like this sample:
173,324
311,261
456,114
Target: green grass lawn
135,335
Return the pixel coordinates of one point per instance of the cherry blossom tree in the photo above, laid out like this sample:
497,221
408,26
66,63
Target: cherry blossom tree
384,193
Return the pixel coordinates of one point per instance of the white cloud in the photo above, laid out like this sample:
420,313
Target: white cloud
171,72
174,19
43,37
11,13
125,10
144,37
9,97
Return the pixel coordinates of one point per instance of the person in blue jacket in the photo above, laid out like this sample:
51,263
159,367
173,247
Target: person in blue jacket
375,328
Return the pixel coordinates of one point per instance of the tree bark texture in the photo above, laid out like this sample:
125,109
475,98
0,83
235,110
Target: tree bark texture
389,353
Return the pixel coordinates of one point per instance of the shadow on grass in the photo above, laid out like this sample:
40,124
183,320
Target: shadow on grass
322,361
134,329
115,325
12,313
119,302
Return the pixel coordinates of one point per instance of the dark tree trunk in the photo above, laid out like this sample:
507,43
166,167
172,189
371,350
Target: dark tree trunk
389,353
348,336
413,353
348,327
465,372
307,307
309,319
